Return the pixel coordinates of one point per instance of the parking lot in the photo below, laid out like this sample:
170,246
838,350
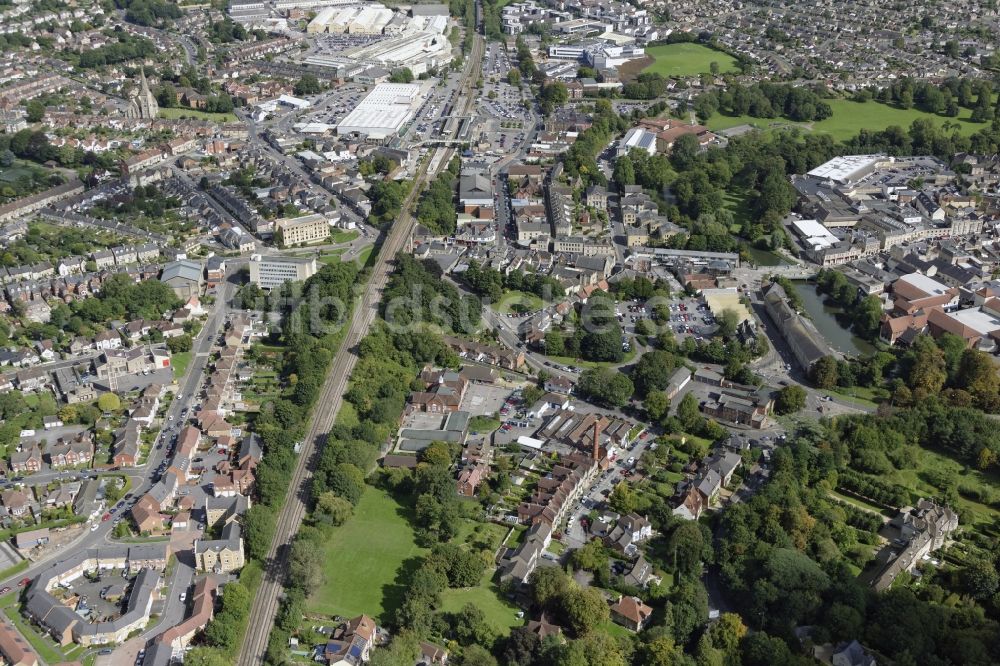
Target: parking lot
483,399
689,317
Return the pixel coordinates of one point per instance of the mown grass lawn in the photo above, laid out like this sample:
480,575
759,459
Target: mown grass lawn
850,117
687,59
332,256
368,560
344,235
175,113
501,614
180,362
364,255
517,301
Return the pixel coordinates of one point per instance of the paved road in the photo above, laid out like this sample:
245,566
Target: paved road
141,477
265,604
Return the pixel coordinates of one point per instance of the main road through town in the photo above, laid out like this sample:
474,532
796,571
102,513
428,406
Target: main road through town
265,604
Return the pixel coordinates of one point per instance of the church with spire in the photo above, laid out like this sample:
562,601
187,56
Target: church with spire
143,103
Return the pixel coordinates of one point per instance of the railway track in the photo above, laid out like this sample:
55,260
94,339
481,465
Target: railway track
265,604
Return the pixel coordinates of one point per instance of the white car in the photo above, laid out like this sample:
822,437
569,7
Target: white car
93,528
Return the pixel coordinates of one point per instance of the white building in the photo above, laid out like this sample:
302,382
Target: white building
274,271
383,112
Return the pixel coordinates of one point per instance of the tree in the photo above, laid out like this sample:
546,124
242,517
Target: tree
824,372
514,78
179,344
548,584
653,371
36,111
605,386
657,405
727,633
663,651
684,152
555,343
305,565
687,547
332,510
307,85
791,399
728,320
583,609
471,627
927,368
592,556
624,173
109,402
623,499
521,647
980,578
347,481
401,75
258,528
689,413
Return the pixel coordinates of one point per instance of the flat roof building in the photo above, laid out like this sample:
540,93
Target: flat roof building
306,229
274,271
383,112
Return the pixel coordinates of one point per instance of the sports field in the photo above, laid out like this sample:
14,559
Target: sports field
850,117
687,59
366,560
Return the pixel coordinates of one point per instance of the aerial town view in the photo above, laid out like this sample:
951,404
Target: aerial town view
499,333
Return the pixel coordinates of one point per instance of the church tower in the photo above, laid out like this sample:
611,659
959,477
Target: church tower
143,103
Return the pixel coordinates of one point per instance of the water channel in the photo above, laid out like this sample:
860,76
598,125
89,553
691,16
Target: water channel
825,318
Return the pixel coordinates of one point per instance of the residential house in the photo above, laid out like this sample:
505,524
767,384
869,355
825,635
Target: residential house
14,649
631,530
352,642
516,565
631,613
27,461
470,478
223,555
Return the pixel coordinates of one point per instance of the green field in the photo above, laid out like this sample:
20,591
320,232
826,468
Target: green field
928,463
849,117
180,362
344,235
365,254
513,300
687,59
332,256
174,114
367,560
486,597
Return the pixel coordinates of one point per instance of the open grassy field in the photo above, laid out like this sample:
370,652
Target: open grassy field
365,255
180,362
198,115
849,118
485,596
368,559
344,235
927,464
686,59
514,301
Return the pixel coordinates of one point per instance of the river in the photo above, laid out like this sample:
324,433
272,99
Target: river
825,318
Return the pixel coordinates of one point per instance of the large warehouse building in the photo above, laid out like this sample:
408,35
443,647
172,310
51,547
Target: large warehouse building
383,112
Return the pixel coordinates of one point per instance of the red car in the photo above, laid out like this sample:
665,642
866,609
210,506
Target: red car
5,590
106,517
24,581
